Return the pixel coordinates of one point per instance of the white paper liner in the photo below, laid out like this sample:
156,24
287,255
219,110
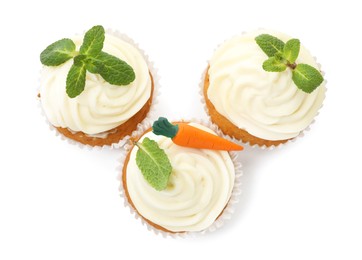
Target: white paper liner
150,115
263,147
228,210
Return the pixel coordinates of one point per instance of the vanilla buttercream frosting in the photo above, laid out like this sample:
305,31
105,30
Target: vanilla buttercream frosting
199,188
267,105
101,106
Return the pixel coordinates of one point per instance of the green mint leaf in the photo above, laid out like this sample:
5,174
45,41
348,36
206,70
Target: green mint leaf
93,41
112,69
90,58
274,64
291,50
58,52
306,77
270,44
76,78
153,163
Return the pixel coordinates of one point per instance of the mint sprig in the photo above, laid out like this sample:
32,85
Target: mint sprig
90,58
153,163
282,56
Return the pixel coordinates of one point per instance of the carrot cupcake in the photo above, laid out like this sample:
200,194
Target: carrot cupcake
263,88
96,88
176,188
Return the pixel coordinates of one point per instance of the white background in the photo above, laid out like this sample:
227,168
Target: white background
303,201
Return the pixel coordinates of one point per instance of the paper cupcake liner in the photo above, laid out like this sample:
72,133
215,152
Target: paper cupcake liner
228,210
263,147
150,115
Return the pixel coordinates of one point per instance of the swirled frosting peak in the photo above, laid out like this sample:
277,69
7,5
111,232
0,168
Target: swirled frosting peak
268,105
101,106
199,188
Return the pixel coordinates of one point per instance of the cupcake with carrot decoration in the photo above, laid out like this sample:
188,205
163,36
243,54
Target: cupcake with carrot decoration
181,177
263,88
96,88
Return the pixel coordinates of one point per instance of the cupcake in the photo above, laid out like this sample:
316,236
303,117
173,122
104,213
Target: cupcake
96,88
187,189
263,88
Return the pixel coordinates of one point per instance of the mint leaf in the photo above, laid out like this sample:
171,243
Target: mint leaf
76,79
269,44
274,64
291,50
153,163
90,58
282,56
93,41
112,69
306,77
58,52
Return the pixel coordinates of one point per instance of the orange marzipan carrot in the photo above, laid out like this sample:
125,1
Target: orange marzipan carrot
186,135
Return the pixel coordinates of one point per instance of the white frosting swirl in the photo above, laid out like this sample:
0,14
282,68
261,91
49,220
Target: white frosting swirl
268,105
199,187
101,106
